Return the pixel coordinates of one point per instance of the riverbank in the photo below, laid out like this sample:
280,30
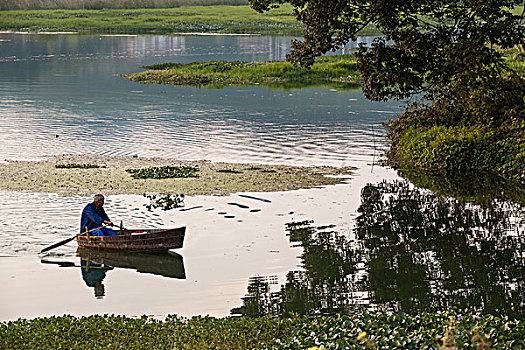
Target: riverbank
185,19
87,174
485,131
328,71
447,330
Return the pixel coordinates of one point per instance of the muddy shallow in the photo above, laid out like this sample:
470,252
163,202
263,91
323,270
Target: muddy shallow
111,177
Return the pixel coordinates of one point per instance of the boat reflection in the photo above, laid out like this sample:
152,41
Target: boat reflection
164,263
95,263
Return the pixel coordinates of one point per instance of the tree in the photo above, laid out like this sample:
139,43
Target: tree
469,109
428,45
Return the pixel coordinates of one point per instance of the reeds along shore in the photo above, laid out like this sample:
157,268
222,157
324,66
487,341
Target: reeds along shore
109,4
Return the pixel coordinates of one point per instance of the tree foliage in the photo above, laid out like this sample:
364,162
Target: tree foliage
429,46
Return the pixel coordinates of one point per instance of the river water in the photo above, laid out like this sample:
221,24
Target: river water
377,242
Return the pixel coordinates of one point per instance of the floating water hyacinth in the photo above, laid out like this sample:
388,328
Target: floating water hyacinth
164,172
165,201
392,331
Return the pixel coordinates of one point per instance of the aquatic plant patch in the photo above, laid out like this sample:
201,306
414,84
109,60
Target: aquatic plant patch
166,201
164,172
451,329
78,166
339,71
42,176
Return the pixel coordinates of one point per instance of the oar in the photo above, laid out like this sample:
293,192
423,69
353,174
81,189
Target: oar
67,240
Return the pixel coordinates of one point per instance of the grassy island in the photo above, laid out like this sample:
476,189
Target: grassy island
87,174
448,330
330,71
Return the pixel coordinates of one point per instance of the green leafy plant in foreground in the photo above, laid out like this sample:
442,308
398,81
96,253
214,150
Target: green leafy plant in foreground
458,329
164,172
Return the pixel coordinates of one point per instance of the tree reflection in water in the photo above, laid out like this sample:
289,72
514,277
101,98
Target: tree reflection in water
414,252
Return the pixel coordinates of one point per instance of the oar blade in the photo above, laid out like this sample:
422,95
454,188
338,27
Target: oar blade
67,240
58,244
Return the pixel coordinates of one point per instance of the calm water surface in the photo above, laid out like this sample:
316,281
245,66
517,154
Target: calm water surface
64,94
377,242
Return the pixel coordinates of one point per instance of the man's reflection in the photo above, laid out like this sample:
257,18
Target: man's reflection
93,274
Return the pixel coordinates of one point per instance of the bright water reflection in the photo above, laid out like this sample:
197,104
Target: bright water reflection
63,94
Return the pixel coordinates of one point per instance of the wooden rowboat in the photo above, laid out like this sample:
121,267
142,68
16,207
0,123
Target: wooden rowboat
136,240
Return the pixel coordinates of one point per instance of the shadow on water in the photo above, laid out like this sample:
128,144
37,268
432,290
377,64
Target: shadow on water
94,264
413,251
282,86
480,187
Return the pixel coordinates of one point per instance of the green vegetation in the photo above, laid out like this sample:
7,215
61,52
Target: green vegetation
42,176
337,71
147,17
164,172
187,19
462,62
78,166
108,4
166,201
447,330
486,131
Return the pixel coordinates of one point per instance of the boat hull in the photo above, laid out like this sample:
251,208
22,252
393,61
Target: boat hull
136,240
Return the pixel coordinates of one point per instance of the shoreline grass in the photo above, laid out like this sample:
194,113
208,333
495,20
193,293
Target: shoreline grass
186,19
448,330
330,71
225,19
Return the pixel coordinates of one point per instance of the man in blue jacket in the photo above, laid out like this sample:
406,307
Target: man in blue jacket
94,216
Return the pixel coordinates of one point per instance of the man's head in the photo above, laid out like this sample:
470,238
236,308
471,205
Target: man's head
99,200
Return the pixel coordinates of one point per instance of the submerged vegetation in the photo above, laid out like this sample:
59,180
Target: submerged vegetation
339,71
446,330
